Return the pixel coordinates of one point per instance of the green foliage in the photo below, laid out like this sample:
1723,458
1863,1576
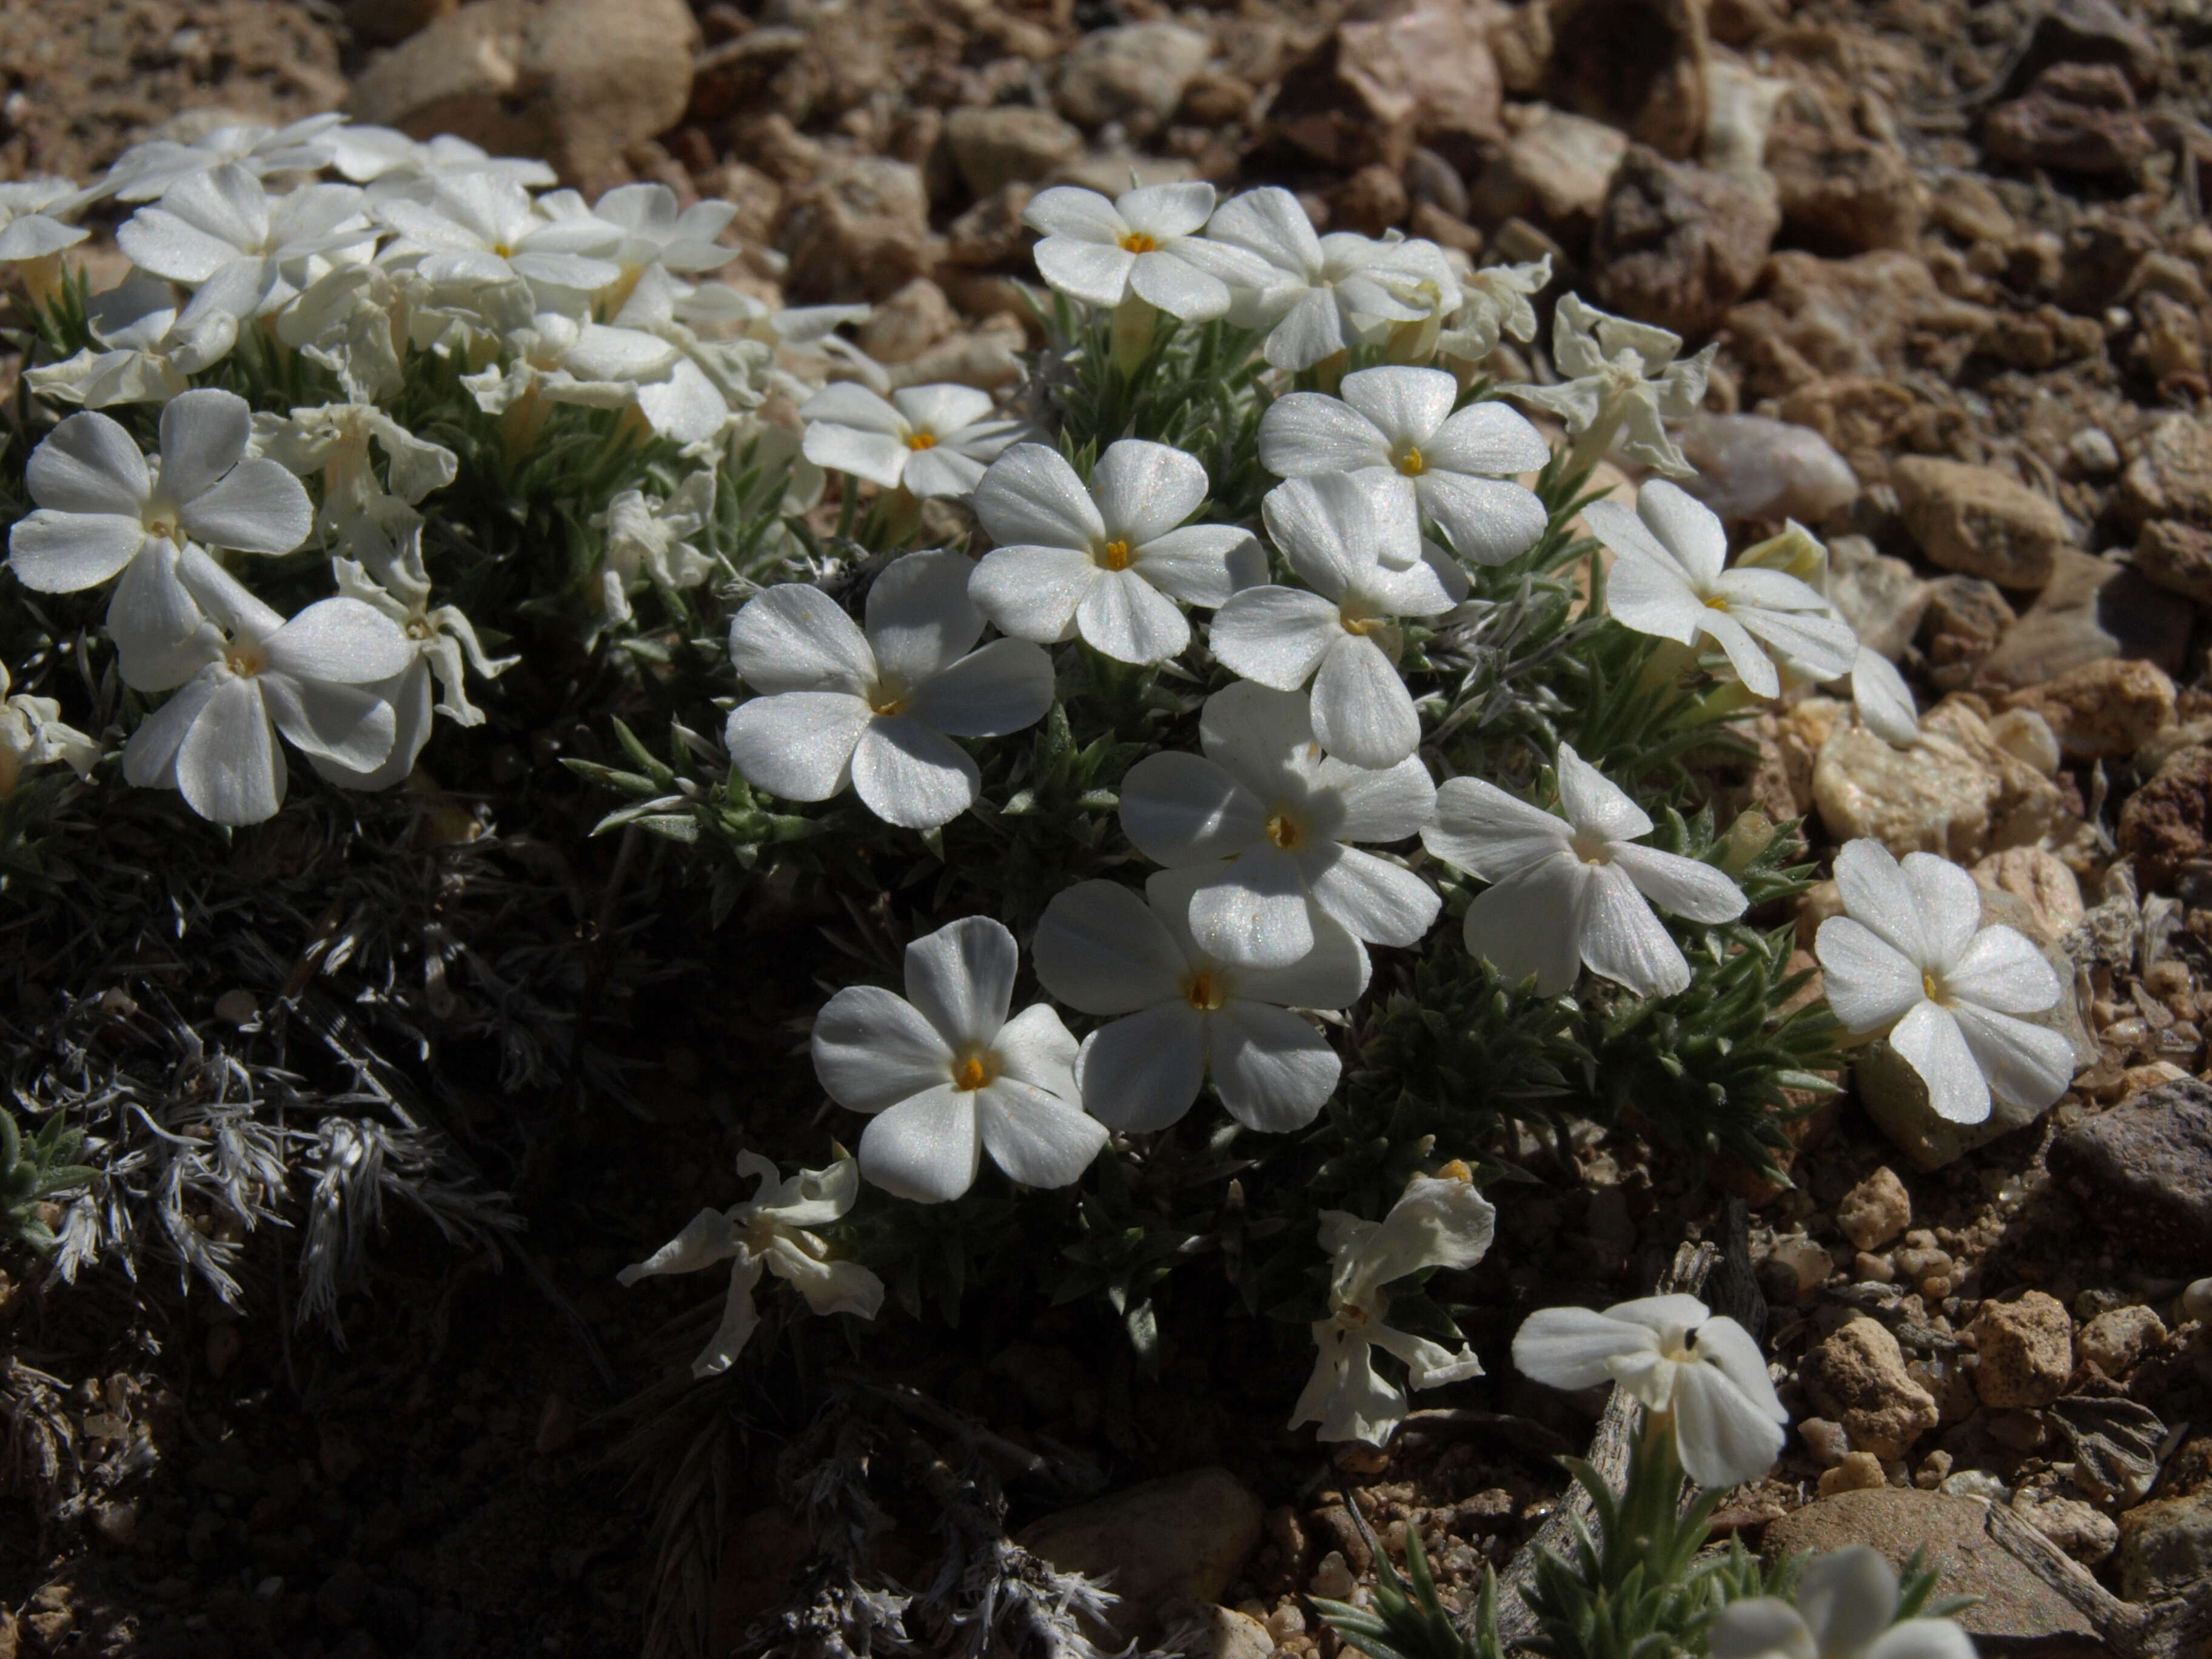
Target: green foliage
32,1170
1408,1620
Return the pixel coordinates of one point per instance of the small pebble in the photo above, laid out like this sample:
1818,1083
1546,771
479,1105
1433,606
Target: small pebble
2197,1301
1858,1472
1331,1578
236,1007
2095,452
1975,1483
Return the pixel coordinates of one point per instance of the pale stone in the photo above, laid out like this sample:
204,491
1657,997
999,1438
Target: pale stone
1875,1211
1957,792
1184,1537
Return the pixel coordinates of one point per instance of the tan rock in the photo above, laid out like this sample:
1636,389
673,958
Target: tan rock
1677,245
2041,881
2091,608
2103,709
1184,1537
1008,144
2170,476
1657,91
577,82
1875,1211
2165,1546
2026,1351
1374,88
1867,317
1554,173
1843,192
908,323
2176,557
1958,792
2071,1524
1857,1378
1206,1629
1979,521
1860,1471
2116,1340
1134,74
859,230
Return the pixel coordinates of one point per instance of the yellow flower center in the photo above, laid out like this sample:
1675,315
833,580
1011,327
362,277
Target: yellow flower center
243,658
1285,831
974,1069
1714,602
1591,848
1206,992
887,699
1411,463
1115,556
1932,988
1455,1170
1359,623
1138,242
922,440
505,250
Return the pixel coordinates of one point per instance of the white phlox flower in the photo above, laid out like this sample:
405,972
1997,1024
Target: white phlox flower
1268,822
740,370
334,440
442,645
32,733
653,230
878,711
1909,956
1846,1609
560,359
104,512
946,1076
242,251
1669,578
802,338
1620,374
310,678
349,321
1145,243
1439,1221
392,164
1494,304
1674,1357
1879,696
1397,427
33,229
152,168
774,1232
1343,636
144,357
1323,294
480,229
1112,563
647,541
1574,892
930,440
1178,1014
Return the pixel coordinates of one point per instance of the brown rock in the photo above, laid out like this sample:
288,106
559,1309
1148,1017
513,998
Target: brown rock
2166,1547
1373,88
1857,1378
2090,609
2144,1169
737,75
1843,193
1859,1471
1862,419
1650,81
386,22
2104,709
1875,1211
1977,519
859,231
1370,201
2116,1340
1134,74
2169,338
1870,315
2027,1349
2089,32
2078,118
991,232
2171,477
908,323
577,82
1185,1536
1008,144
1676,244
1965,619
2165,824
1553,173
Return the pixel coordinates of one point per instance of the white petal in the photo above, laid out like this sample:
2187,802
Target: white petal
1362,712
1102,949
1038,1139
846,405
1265,737
1685,887
1306,433
1031,592
1271,222
707,1238
1623,941
1276,635
1869,983
165,244
1131,621
1924,1638
1594,803
1197,564
1932,1044
1489,441
1005,686
161,639
88,464
1483,830
1388,804
1031,494
1848,1597
871,455
920,620
1068,210
259,509
925,1149
2000,969
1254,913
1180,809
1312,329
1142,1073
794,638
1428,1364
1876,894
2026,1066
872,1049
1378,901
1751,664
1687,528
1486,522
1882,700
1335,528
1330,976
1573,1347
960,978
942,473
942,410
1406,406
227,767
1530,923
1146,489
797,744
1948,903
1721,1342
1650,594
1762,1627
740,1319
1179,288
910,774
1725,1439
1819,647
149,759
1166,211
56,552
204,434
1273,1071
349,725
1034,1047
1097,273
342,640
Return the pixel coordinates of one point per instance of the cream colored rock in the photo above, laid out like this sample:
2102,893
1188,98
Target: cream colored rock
1958,792
908,323
2039,879
1206,1629
859,230
2116,1340
1875,1211
1979,521
2103,709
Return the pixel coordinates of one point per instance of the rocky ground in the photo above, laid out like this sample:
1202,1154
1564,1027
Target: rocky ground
1964,245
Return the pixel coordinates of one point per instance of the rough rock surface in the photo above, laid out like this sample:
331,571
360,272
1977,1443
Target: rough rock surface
2091,608
2026,1351
1875,1211
2165,824
1977,519
2165,1546
1857,1378
1677,245
2144,1169
2102,709
1183,1537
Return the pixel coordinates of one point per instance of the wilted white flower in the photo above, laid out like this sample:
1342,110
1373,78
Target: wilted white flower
560,359
349,321
1323,294
1112,563
1846,1609
32,733
1268,821
1620,374
1440,1221
393,164
1574,892
775,1232
647,540
334,440
243,251
930,440
947,1077
653,228
1146,243
1181,1014
33,231
480,229
1343,636
1396,427
1910,957
1879,696
1670,579
1494,302
310,678
145,356
878,711
149,169
741,370
1674,1357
